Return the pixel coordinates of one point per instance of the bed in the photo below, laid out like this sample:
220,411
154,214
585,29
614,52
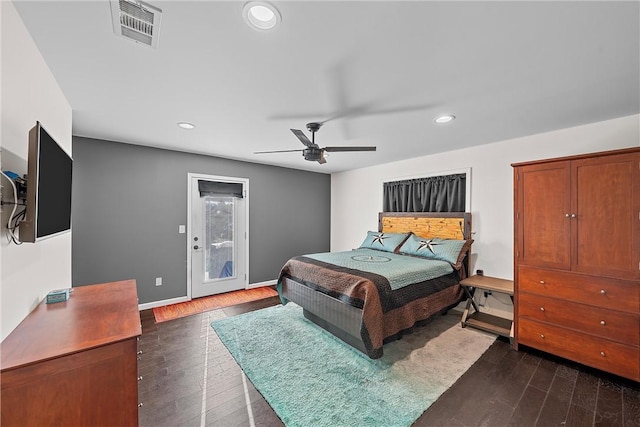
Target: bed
396,280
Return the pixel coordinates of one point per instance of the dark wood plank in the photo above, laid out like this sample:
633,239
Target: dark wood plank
586,391
544,374
480,402
609,404
631,405
251,306
579,416
444,410
497,351
513,388
526,412
556,405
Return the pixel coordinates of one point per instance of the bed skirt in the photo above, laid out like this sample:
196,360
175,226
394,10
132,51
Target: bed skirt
342,320
345,321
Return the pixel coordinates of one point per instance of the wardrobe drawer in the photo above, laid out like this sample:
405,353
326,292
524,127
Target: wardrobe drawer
614,325
599,353
599,291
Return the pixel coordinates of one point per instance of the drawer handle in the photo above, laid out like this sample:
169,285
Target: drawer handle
140,378
541,308
542,282
566,215
602,322
542,336
602,353
140,405
603,292
139,352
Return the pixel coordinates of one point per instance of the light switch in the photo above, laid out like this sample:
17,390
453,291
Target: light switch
181,229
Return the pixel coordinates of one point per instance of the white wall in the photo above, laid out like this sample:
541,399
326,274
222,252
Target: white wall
356,196
29,93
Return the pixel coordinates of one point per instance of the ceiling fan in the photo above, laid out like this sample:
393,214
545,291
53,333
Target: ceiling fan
313,152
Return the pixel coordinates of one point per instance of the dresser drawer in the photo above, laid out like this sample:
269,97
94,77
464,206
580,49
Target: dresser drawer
599,353
614,325
598,291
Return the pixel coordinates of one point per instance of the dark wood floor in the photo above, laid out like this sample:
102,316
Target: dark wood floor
183,384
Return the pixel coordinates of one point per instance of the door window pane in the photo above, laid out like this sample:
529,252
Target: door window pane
219,237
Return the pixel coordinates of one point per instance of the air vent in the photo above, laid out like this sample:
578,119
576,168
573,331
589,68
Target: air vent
137,21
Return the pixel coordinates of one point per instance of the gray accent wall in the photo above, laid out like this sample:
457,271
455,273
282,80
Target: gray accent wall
129,200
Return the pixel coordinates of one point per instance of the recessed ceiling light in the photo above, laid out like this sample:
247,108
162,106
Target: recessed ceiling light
185,125
444,118
261,15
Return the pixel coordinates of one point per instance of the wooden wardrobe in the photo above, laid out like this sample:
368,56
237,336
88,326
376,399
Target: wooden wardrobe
577,259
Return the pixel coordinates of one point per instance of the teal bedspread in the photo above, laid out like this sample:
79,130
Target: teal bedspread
400,270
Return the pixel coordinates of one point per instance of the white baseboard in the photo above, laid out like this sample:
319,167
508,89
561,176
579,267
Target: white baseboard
148,305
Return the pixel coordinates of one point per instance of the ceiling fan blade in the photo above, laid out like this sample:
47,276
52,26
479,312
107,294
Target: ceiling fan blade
396,110
302,117
338,95
277,151
354,148
303,138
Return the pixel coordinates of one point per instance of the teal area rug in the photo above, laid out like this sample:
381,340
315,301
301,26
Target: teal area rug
310,378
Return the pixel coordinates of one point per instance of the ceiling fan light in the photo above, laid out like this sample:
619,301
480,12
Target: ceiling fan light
445,118
261,15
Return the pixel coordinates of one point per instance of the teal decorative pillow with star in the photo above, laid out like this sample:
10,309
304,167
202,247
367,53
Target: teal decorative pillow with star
387,242
450,250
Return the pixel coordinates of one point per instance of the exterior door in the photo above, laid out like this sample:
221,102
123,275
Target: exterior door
217,234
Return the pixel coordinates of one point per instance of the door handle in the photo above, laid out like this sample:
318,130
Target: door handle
196,247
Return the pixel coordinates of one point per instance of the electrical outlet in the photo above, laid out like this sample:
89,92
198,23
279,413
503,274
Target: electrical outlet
158,281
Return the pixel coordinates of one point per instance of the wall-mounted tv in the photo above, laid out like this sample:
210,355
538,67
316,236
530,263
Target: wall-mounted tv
49,173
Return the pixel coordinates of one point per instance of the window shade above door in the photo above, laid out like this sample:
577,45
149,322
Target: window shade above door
216,188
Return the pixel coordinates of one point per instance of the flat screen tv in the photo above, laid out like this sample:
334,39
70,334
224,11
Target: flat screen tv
49,171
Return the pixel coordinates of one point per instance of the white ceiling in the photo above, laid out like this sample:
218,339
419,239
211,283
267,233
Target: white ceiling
387,68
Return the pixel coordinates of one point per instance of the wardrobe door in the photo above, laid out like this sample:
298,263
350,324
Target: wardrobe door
543,222
606,204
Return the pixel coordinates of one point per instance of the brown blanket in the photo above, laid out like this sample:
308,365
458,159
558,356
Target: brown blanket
385,312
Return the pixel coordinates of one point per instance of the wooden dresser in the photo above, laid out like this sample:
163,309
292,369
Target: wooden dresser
74,363
577,259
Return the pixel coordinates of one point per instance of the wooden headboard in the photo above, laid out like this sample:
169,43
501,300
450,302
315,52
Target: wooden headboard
446,225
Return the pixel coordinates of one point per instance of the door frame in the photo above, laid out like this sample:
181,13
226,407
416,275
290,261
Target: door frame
245,189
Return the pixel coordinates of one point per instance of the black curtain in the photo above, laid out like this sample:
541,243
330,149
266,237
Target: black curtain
433,194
